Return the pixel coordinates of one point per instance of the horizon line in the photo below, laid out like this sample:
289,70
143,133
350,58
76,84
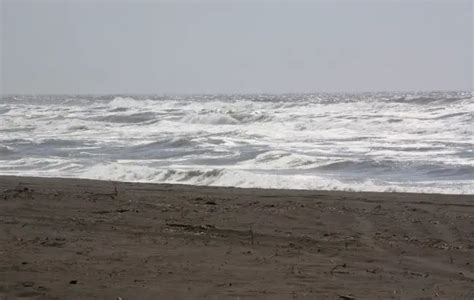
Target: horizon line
237,93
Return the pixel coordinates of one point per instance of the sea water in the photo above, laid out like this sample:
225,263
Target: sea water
413,142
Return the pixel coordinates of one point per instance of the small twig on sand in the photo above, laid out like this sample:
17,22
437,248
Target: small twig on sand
110,211
373,271
192,227
251,235
347,297
337,266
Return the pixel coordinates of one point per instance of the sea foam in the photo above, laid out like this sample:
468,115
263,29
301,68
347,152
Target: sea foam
411,142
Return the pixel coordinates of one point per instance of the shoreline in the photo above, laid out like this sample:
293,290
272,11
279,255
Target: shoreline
199,186
89,239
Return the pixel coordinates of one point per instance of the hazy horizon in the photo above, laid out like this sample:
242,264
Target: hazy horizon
236,93
163,48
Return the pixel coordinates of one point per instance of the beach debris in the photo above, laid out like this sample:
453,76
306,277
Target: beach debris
210,202
17,191
337,266
73,282
53,243
373,271
27,284
252,239
440,244
110,211
347,297
192,227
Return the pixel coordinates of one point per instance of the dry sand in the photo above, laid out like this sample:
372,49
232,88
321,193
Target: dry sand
82,239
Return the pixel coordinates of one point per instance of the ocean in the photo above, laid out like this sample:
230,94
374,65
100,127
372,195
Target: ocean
404,142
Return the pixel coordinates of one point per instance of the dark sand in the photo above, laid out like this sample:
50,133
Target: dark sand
79,239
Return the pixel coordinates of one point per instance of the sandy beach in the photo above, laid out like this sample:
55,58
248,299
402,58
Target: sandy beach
84,239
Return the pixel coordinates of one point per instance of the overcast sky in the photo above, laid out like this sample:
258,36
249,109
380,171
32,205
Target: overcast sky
161,47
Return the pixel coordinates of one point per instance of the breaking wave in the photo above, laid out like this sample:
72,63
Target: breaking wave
412,142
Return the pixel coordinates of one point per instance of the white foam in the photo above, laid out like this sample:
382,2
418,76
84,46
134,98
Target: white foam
125,102
246,179
257,141
212,118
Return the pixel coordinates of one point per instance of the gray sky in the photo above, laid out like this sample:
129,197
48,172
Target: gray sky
224,47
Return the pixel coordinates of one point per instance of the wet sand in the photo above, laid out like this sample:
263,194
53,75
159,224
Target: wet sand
83,239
